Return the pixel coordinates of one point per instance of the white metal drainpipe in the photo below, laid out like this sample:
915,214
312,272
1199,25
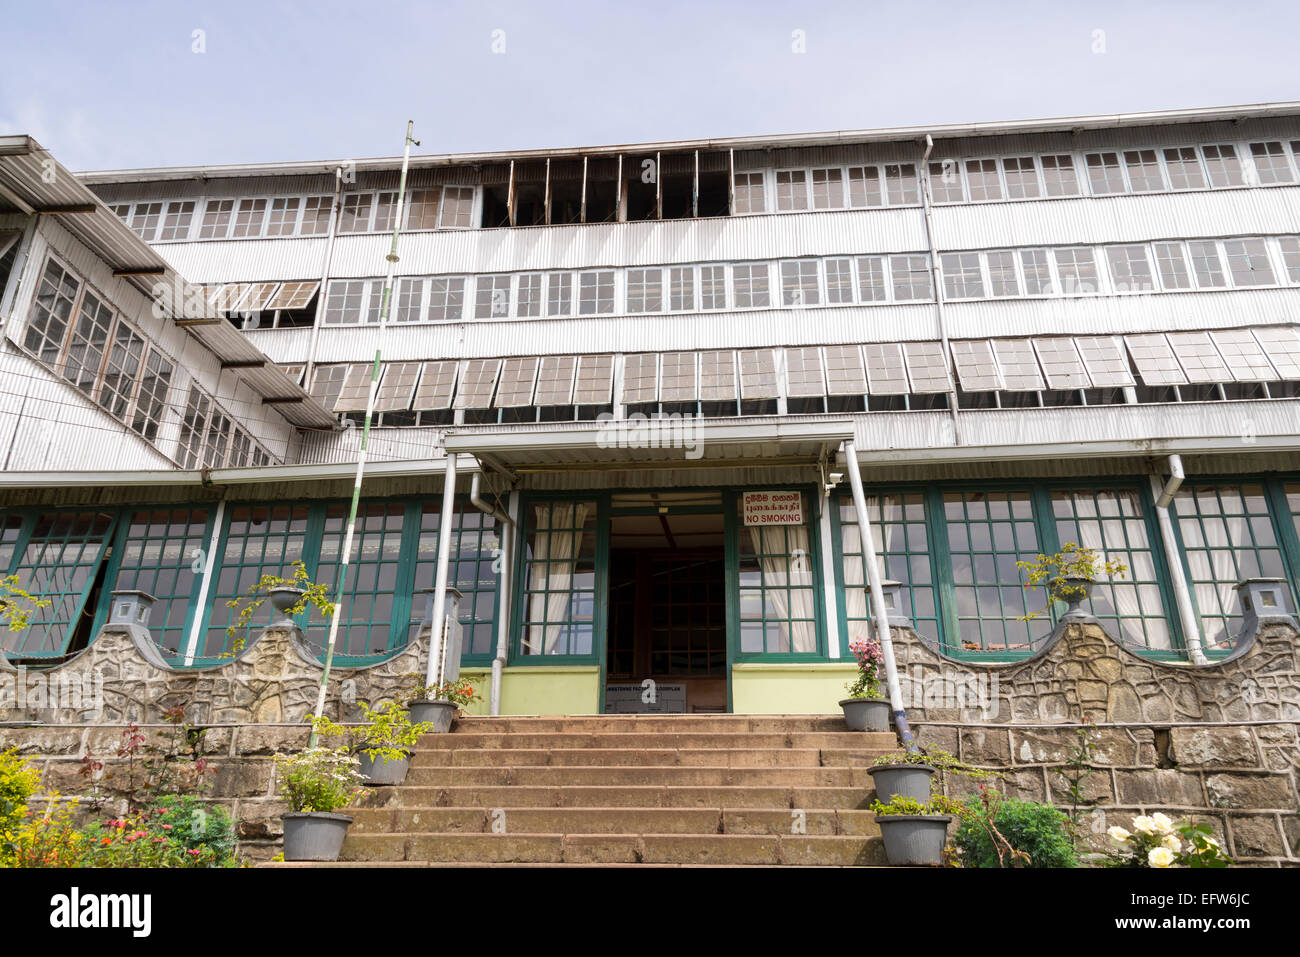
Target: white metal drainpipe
923,181
437,626
1164,493
878,609
507,527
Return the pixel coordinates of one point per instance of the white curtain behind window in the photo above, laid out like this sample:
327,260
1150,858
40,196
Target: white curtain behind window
770,544
856,605
554,558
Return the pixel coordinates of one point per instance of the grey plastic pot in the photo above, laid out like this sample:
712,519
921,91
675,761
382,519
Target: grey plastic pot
380,770
909,780
314,836
437,713
914,840
866,714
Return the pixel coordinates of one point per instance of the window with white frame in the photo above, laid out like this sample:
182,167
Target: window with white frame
1130,269
945,182
194,426
839,280
1077,269
316,215
962,277
145,219
283,218
681,288
176,224
982,179
1223,165
559,294
713,287
1290,246
791,190
799,283
1184,166
1248,262
864,186
216,219
828,188
410,296
151,400
900,184
491,297
385,212
645,290
1271,163
1171,263
457,207
1144,174
910,278
354,216
749,193
1002,273
749,285
1207,265
1059,176
1037,271
88,343
596,292
249,218
1105,174
528,299
121,370
446,297
348,301
422,208
1021,175
871,279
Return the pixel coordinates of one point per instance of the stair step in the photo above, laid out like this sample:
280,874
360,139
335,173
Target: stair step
676,775
674,740
627,757
612,820
645,723
639,795
621,849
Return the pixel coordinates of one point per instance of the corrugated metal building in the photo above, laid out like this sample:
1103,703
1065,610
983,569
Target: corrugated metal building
653,362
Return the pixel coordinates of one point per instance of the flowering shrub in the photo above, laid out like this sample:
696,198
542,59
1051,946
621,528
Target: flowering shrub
18,782
871,663
50,839
460,692
173,833
318,779
1157,841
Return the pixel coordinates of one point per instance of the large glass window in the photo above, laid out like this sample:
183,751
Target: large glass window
1227,537
902,543
164,555
987,533
778,611
473,570
559,601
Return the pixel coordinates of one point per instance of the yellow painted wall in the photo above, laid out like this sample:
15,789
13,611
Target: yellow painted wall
540,689
789,688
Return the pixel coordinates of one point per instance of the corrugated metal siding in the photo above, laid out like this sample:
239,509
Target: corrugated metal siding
1114,219
386,445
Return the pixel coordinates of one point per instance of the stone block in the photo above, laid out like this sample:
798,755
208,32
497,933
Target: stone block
1096,788
235,779
270,739
1213,747
1251,791
980,746
1255,835
1155,789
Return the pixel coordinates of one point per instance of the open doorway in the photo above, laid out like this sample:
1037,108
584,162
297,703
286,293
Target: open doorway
667,603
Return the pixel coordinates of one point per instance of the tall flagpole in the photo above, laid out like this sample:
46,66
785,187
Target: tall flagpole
365,431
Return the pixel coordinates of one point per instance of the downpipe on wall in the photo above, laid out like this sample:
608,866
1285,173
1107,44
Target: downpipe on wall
1164,491
507,536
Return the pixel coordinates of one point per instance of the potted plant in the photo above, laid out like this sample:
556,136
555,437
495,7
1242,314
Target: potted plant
383,744
437,704
910,774
915,832
864,708
1069,576
289,596
316,783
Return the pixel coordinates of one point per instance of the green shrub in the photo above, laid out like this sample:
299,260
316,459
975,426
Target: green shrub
18,782
1039,830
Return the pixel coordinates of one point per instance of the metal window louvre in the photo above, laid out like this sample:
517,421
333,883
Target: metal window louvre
258,295
1155,361
1201,362
1282,345
555,380
976,370
294,371
478,384
804,373
1103,357
356,388
845,372
886,371
398,386
926,367
326,383
718,376
518,380
294,295
758,374
1061,364
641,378
595,380
1019,365
1246,360
677,380
437,383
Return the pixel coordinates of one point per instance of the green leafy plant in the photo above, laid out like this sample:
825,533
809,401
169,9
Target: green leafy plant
1072,561
318,779
51,838
936,758
1157,841
174,764
460,691
175,832
871,665
998,832
938,804
1078,769
18,782
388,733
313,594
17,604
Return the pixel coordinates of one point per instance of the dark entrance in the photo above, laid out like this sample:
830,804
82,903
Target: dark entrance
667,603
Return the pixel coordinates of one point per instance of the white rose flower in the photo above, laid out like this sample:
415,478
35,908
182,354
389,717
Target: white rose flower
1144,825
1162,823
1160,857
1118,835
1172,842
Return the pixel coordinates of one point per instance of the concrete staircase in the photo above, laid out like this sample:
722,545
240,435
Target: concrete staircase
629,790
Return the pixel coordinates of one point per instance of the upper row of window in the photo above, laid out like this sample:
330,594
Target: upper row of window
952,180
836,280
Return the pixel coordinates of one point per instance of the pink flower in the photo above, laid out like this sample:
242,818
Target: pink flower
194,851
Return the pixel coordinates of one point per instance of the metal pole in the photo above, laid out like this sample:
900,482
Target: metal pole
878,608
344,559
437,626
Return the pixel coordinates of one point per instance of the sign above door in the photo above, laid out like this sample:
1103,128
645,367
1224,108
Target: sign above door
773,508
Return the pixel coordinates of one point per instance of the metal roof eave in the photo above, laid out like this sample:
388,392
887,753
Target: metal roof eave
779,141
29,173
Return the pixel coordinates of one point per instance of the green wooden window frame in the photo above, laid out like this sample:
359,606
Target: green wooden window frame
562,610
778,586
57,555
1228,532
162,551
474,570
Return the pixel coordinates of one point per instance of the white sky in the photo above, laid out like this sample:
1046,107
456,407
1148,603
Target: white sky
109,85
